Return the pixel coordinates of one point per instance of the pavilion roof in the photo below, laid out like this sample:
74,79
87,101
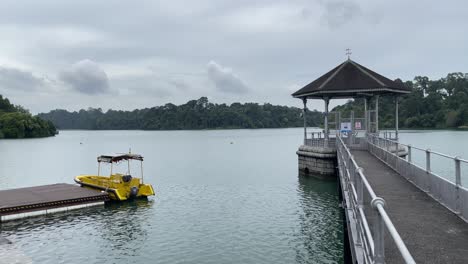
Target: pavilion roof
350,79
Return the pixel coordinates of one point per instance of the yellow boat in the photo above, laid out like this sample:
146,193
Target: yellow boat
120,187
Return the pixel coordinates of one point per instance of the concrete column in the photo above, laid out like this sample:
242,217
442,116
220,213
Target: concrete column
304,100
377,114
327,101
396,118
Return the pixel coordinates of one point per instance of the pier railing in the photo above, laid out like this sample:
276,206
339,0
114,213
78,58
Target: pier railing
317,139
366,212
449,193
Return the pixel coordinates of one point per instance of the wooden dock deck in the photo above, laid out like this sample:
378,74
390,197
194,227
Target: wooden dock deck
46,199
432,233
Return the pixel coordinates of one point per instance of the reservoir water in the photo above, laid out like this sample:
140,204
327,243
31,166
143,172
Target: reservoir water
227,196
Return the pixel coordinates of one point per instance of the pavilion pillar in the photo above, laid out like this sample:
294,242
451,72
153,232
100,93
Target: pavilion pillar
396,118
377,115
327,101
304,100
365,114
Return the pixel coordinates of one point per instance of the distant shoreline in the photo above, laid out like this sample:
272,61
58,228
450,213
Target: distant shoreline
215,129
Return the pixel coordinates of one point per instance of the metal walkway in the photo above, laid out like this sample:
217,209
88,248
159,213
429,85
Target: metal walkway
432,233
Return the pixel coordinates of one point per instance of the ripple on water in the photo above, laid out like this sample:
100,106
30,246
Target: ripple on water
194,224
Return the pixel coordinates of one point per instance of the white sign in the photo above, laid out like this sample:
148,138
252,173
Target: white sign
345,127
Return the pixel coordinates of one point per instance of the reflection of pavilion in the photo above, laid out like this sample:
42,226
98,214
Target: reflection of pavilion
317,155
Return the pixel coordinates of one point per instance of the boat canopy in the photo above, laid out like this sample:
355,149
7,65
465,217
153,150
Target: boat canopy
120,157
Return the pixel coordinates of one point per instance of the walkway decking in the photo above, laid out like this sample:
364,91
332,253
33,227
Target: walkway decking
432,233
31,201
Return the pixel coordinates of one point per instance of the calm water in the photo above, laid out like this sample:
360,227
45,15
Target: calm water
230,196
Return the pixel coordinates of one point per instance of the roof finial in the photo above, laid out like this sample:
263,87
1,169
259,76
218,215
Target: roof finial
348,52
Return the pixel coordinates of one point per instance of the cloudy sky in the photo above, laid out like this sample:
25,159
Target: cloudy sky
134,54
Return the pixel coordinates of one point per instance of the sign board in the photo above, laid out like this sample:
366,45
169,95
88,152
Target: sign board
345,127
357,125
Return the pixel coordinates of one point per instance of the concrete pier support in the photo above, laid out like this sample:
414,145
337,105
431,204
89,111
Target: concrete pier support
317,162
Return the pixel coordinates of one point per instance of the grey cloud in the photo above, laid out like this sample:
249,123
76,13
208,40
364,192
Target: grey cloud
179,84
224,79
339,12
86,77
290,41
16,79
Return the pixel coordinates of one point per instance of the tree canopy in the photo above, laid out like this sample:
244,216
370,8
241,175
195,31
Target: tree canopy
17,122
195,114
441,103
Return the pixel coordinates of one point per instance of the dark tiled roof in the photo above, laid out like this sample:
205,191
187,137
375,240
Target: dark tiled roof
350,79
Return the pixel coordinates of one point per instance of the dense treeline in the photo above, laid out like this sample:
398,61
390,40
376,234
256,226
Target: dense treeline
195,114
441,103
17,122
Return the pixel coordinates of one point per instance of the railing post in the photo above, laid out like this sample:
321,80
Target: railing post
359,189
409,154
428,160
457,171
457,182
379,247
359,186
379,232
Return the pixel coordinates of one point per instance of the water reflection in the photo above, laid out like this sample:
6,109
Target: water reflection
117,228
126,222
321,223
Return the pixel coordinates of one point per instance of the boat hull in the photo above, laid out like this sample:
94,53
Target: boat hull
120,187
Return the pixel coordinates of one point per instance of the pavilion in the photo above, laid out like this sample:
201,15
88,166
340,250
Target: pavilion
351,80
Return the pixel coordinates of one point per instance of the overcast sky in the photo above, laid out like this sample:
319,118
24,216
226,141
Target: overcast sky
134,54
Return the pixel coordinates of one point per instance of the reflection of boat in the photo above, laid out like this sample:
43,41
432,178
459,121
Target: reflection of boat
120,187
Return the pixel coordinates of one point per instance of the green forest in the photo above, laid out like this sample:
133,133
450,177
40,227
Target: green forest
441,103
17,122
195,114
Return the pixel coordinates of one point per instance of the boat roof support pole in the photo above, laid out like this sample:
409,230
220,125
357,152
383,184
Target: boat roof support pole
99,169
141,171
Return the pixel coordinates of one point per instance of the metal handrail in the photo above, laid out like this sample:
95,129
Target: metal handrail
317,139
355,181
319,135
456,159
418,148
